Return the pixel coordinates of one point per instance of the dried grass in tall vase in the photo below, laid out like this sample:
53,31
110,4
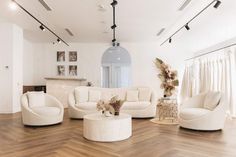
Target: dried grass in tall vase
168,77
116,103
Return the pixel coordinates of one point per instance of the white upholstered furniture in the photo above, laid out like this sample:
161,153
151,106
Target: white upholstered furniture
97,127
41,109
83,100
196,115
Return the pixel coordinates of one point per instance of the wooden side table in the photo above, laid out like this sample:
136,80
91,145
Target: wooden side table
168,109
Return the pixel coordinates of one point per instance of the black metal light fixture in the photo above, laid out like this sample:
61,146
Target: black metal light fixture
113,26
114,3
186,26
42,26
217,4
59,40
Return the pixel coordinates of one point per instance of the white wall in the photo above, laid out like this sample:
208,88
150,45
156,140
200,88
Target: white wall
6,79
17,67
144,72
28,63
11,40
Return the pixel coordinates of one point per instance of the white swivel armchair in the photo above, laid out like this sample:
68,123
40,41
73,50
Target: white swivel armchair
51,112
194,115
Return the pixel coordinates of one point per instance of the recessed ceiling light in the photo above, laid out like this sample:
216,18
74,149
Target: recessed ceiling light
118,58
184,5
101,8
12,5
69,32
161,31
45,5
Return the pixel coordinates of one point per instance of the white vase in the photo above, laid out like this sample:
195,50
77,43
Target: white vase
107,114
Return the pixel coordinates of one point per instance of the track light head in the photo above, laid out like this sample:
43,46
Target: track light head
217,4
59,40
113,26
118,44
42,27
114,40
187,27
114,3
170,40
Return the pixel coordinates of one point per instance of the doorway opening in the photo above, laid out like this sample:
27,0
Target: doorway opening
116,68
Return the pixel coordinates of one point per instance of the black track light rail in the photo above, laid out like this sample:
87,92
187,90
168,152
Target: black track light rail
218,3
39,22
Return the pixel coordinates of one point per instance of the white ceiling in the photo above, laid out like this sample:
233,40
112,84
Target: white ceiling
137,20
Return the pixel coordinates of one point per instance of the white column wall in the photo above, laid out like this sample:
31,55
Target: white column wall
11,40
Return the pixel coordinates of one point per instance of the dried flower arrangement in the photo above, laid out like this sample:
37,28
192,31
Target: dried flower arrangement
116,104
168,77
105,107
113,106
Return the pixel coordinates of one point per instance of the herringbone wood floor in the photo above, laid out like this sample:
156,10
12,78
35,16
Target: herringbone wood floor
148,140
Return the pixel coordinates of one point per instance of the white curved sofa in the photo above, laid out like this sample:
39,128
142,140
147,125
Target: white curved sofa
193,114
137,109
51,112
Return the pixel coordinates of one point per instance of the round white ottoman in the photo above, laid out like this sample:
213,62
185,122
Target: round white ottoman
97,127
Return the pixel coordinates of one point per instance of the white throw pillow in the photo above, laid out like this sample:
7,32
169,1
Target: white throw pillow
212,99
132,95
81,95
144,94
36,99
94,95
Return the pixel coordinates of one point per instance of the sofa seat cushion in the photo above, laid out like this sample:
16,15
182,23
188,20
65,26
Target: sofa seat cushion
92,106
139,105
46,110
192,113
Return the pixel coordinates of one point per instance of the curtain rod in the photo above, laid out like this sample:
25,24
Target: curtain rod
211,52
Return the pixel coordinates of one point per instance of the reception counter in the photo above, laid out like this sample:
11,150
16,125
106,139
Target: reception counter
61,86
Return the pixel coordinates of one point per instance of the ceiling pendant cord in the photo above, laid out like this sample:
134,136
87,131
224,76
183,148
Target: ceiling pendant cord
113,27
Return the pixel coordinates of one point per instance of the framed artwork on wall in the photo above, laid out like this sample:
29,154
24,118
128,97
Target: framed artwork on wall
73,56
61,56
73,70
61,70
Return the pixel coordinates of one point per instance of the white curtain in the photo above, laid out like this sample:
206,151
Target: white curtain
213,72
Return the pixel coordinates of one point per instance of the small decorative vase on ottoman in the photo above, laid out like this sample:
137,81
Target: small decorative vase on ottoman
111,107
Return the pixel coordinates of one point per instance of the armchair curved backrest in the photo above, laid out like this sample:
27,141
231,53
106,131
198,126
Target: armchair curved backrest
212,120
30,117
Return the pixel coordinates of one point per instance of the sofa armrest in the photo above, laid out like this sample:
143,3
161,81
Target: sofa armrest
153,98
71,99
